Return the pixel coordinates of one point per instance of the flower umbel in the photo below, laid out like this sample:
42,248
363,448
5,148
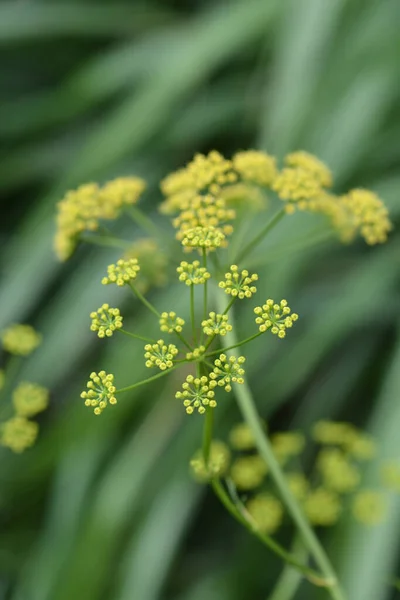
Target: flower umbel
216,325
267,512
18,433
100,392
197,393
209,238
275,317
218,462
20,340
106,320
160,355
192,273
30,399
169,322
123,272
227,371
239,283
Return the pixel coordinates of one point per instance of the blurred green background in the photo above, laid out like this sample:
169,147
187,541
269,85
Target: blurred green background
105,508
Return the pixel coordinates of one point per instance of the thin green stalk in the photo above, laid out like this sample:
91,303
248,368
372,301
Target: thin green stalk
249,411
249,339
144,222
260,236
148,380
142,299
137,336
104,240
205,290
192,314
180,336
290,579
207,433
265,539
229,305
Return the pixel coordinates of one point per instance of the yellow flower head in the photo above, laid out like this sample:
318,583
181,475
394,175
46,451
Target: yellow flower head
122,273
160,355
209,238
241,437
30,399
197,393
169,322
248,472
239,284
204,211
367,214
360,445
106,320
216,325
312,164
210,172
297,186
275,317
255,166
298,485
192,273
369,507
153,263
217,465
227,371
322,507
20,339
391,475
18,433
338,474
100,392
195,353
287,444
266,511
122,191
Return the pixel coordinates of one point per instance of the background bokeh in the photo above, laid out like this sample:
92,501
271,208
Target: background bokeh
104,507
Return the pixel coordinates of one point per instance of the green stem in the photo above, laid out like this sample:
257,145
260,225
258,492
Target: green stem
137,336
142,299
249,411
229,305
104,240
180,336
242,518
249,339
260,236
192,314
290,579
148,380
205,290
143,221
207,434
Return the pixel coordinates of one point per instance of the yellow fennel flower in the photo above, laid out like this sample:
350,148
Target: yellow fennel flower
20,340
239,284
217,465
122,273
100,392
369,507
197,394
275,317
160,355
361,446
255,166
367,214
217,324
122,191
209,238
337,472
322,507
210,172
298,485
227,371
195,353
287,444
106,320
312,164
248,472
266,511
204,211
241,437
18,433
30,399
170,322
192,273
297,187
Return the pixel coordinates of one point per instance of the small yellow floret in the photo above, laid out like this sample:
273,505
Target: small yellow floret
122,191
209,238
275,317
287,444
106,320
192,273
20,339
322,507
266,511
195,353
332,432
248,472
101,391
217,465
241,437
239,284
337,472
18,433
255,166
312,164
367,214
197,394
227,371
160,355
170,322
217,324
298,187
30,399
369,507
122,273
